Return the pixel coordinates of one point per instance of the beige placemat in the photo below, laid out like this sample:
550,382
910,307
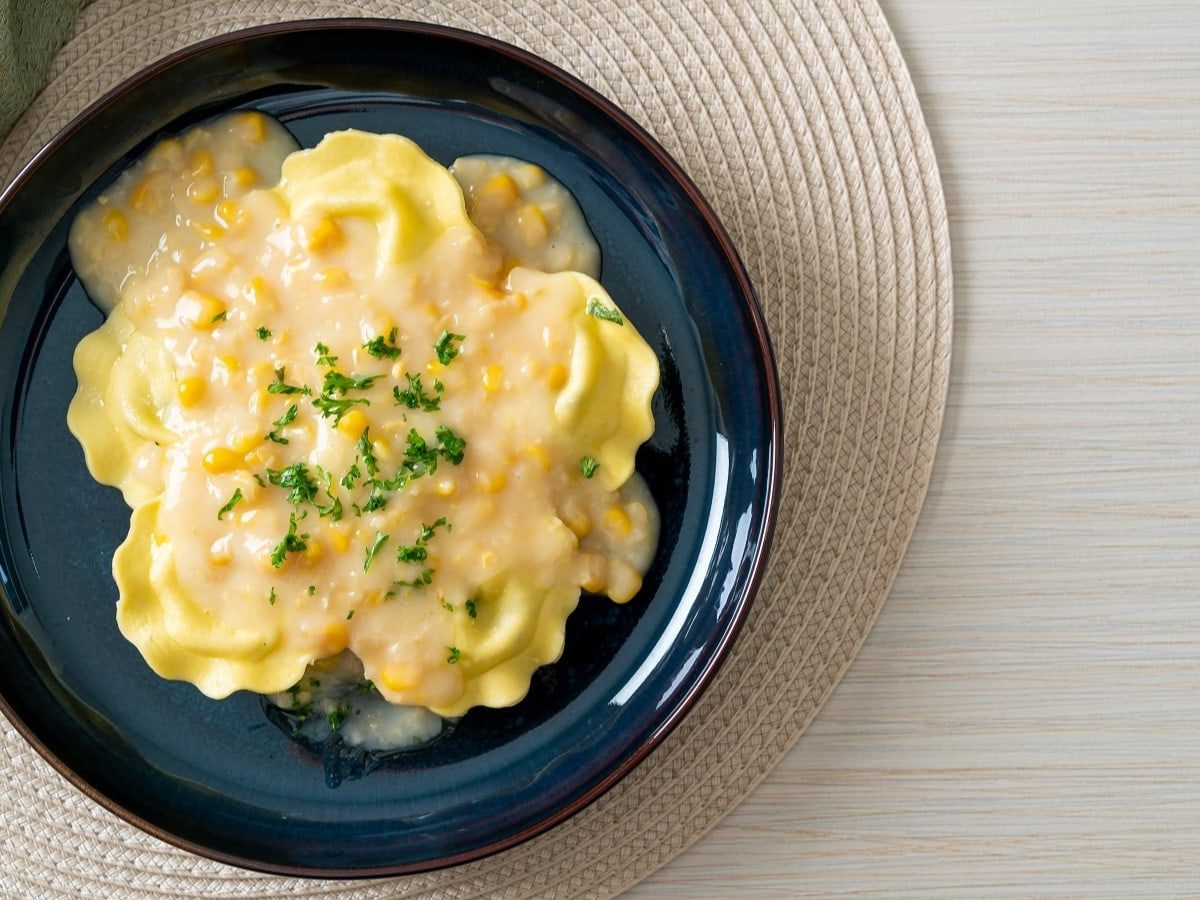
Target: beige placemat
800,124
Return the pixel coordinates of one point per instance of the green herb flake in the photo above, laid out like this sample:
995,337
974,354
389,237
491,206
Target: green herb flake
419,582
447,606
273,597
383,348
302,488
349,615
380,540
453,655
598,310
452,444
312,590
219,317
366,686
337,717
291,543
414,396
263,332
228,507
444,346
282,422
588,466
280,386
472,609
321,351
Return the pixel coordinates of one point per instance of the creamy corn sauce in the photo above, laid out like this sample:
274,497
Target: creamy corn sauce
530,215
352,425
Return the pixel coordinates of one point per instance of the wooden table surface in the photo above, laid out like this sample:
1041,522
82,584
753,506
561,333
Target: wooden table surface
1025,716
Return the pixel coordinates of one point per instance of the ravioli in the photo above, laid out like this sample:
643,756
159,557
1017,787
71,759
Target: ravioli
349,422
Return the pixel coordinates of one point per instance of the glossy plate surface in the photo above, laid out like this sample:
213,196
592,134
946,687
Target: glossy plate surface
217,777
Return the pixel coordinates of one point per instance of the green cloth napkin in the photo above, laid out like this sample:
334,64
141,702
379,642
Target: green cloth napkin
30,32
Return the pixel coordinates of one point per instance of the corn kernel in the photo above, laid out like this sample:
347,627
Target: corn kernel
168,151
321,236
259,400
594,579
500,190
218,557
397,677
259,293
531,223
616,520
253,126
531,175
116,225
339,539
578,521
144,197
353,424
229,363
200,162
246,442
220,460
313,550
623,581
337,635
190,390
491,482
245,177
231,213
481,282
445,488
333,278
492,378
538,454
210,230
201,311
556,376
205,190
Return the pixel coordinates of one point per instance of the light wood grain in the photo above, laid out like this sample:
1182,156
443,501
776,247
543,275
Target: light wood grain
1025,716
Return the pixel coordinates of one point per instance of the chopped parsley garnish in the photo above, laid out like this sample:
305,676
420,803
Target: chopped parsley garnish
419,582
366,685
324,475
263,332
279,386
286,419
291,543
323,358
312,590
598,310
367,453
414,396
444,346
228,507
472,609
337,384
349,615
380,540
383,348
219,317
337,717
333,510
452,445
296,478
273,597
352,474
416,552
453,655
333,402
447,606
588,466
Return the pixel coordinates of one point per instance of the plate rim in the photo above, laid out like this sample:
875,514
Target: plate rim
775,448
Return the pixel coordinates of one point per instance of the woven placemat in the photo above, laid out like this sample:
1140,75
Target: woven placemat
800,124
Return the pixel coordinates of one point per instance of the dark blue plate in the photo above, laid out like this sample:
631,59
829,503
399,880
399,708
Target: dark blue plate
217,777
